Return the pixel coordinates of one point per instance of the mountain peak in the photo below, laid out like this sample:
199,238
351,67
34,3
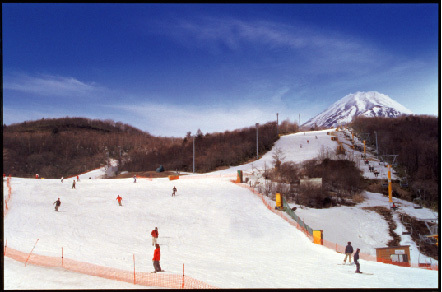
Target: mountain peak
369,104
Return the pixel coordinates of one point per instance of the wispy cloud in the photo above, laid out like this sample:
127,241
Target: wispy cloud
234,32
178,120
277,97
49,85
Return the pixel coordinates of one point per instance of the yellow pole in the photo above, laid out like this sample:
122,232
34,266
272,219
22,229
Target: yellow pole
390,199
364,147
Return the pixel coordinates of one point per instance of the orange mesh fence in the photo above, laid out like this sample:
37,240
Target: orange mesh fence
168,280
207,176
165,280
8,197
331,245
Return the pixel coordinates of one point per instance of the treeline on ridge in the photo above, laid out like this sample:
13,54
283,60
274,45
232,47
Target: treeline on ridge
69,146
211,150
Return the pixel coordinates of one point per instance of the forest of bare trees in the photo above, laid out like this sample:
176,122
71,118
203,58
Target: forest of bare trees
212,150
68,146
415,139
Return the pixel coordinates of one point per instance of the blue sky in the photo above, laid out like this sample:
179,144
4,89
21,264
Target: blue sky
173,68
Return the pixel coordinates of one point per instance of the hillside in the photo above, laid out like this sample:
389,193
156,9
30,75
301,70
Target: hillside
67,146
71,124
222,233
63,147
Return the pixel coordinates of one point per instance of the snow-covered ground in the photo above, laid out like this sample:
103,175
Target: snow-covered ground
223,233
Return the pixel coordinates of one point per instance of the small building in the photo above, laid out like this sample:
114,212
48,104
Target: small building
396,255
315,182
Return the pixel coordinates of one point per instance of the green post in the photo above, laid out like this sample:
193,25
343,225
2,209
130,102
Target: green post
240,176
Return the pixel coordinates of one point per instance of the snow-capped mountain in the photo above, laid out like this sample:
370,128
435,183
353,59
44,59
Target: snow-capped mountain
369,104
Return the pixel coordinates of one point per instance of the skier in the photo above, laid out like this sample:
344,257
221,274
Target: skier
57,204
154,234
119,200
356,257
174,191
135,178
348,252
73,184
78,178
156,258
61,179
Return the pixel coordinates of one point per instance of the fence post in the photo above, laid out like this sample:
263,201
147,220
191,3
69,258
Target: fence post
31,252
134,270
183,278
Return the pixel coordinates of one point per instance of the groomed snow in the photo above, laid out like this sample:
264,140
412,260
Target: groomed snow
223,233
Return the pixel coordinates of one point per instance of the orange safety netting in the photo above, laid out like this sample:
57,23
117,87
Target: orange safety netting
168,280
201,176
8,197
173,281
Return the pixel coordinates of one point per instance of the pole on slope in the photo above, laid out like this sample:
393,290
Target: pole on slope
193,154
277,122
62,256
31,252
257,156
134,268
390,199
183,278
377,150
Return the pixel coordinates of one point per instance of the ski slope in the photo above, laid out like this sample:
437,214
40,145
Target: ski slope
223,233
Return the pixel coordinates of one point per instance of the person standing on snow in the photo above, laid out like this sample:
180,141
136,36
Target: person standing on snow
154,234
61,179
156,258
348,252
57,204
119,200
73,184
135,178
356,257
174,191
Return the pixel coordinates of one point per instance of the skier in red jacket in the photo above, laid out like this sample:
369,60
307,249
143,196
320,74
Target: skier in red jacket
154,234
119,200
156,258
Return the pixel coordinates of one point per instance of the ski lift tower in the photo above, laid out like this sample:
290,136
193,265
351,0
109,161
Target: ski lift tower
390,189
364,137
433,237
391,155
